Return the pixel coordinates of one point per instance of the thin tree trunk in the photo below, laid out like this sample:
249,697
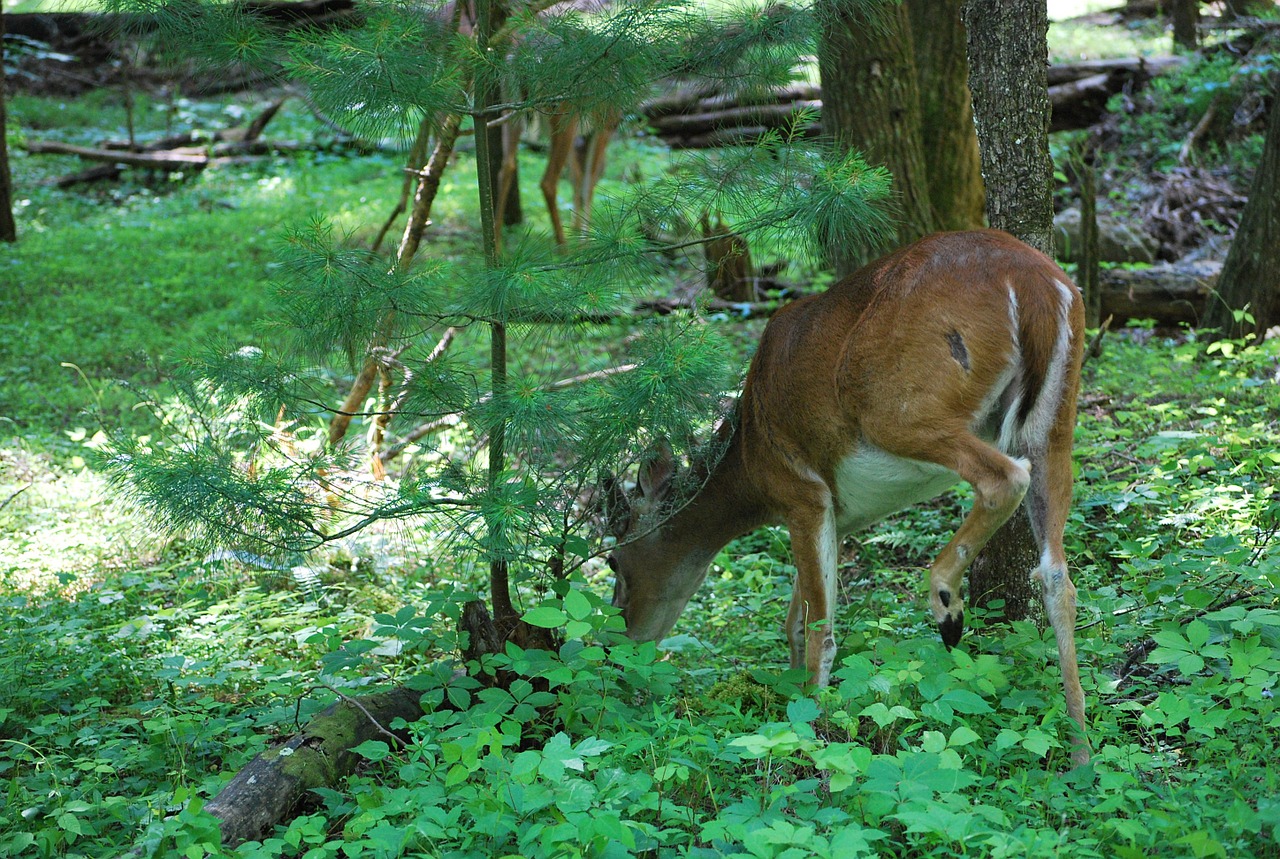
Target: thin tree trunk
1186,16
414,165
948,138
871,103
8,229
1087,274
487,158
1008,62
419,218
1251,275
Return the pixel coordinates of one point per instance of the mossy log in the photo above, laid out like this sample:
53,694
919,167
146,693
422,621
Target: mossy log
269,790
1171,294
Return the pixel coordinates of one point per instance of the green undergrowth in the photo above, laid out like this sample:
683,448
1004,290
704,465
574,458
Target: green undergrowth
138,694
137,674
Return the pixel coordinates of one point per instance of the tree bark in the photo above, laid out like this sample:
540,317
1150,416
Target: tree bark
1186,17
8,229
1008,63
948,137
1251,274
1087,273
871,103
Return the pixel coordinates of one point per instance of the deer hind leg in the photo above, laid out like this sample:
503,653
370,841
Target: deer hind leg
811,618
1048,503
563,130
588,169
999,484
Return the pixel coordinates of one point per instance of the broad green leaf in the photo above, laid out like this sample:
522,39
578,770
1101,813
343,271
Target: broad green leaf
545,616
373,750
576,605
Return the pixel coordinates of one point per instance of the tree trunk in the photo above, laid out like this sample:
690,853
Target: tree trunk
1251,275
1008,62
1186,15
949,140
871,103
8,229
1087,272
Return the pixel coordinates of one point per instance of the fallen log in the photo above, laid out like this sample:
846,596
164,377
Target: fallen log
1172,293
275,783
696,117
744,136
703,97
766,115
1142,68
98,173
1081,103
173,159
73,29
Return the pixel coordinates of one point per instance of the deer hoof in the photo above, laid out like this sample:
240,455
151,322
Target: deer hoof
951,627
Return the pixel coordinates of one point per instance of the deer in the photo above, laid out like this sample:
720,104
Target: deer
577,138
956,358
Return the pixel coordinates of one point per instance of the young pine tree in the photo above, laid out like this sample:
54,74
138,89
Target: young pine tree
257,453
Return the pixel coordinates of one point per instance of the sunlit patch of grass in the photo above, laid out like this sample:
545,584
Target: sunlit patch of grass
1071,41
60,529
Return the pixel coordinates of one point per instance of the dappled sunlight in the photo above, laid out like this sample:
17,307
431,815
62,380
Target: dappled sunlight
61,531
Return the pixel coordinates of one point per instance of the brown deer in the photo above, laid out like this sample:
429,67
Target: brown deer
577,139
955,358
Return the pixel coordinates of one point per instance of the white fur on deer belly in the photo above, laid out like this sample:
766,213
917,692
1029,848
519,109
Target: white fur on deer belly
871,484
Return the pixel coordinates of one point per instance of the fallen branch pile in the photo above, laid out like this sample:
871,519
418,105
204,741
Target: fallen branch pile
700,117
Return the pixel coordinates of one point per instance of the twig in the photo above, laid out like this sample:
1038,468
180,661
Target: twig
1184,154
1140,652
396,742
425,429
16,494
1094,349
259,124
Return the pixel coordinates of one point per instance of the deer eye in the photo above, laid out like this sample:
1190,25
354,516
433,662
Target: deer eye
612,562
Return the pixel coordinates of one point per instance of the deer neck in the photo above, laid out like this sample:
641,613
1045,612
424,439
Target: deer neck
728,505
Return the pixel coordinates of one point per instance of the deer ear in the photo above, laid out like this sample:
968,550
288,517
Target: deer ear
657,471
617,509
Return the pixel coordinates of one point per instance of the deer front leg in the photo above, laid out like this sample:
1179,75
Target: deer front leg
795,625
563,130
812,615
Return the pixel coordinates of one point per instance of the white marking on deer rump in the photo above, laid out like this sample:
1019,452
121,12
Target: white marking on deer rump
873,483
1035,430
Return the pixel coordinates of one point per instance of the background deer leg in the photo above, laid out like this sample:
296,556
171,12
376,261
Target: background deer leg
589,168
563,130
814,542
795,625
